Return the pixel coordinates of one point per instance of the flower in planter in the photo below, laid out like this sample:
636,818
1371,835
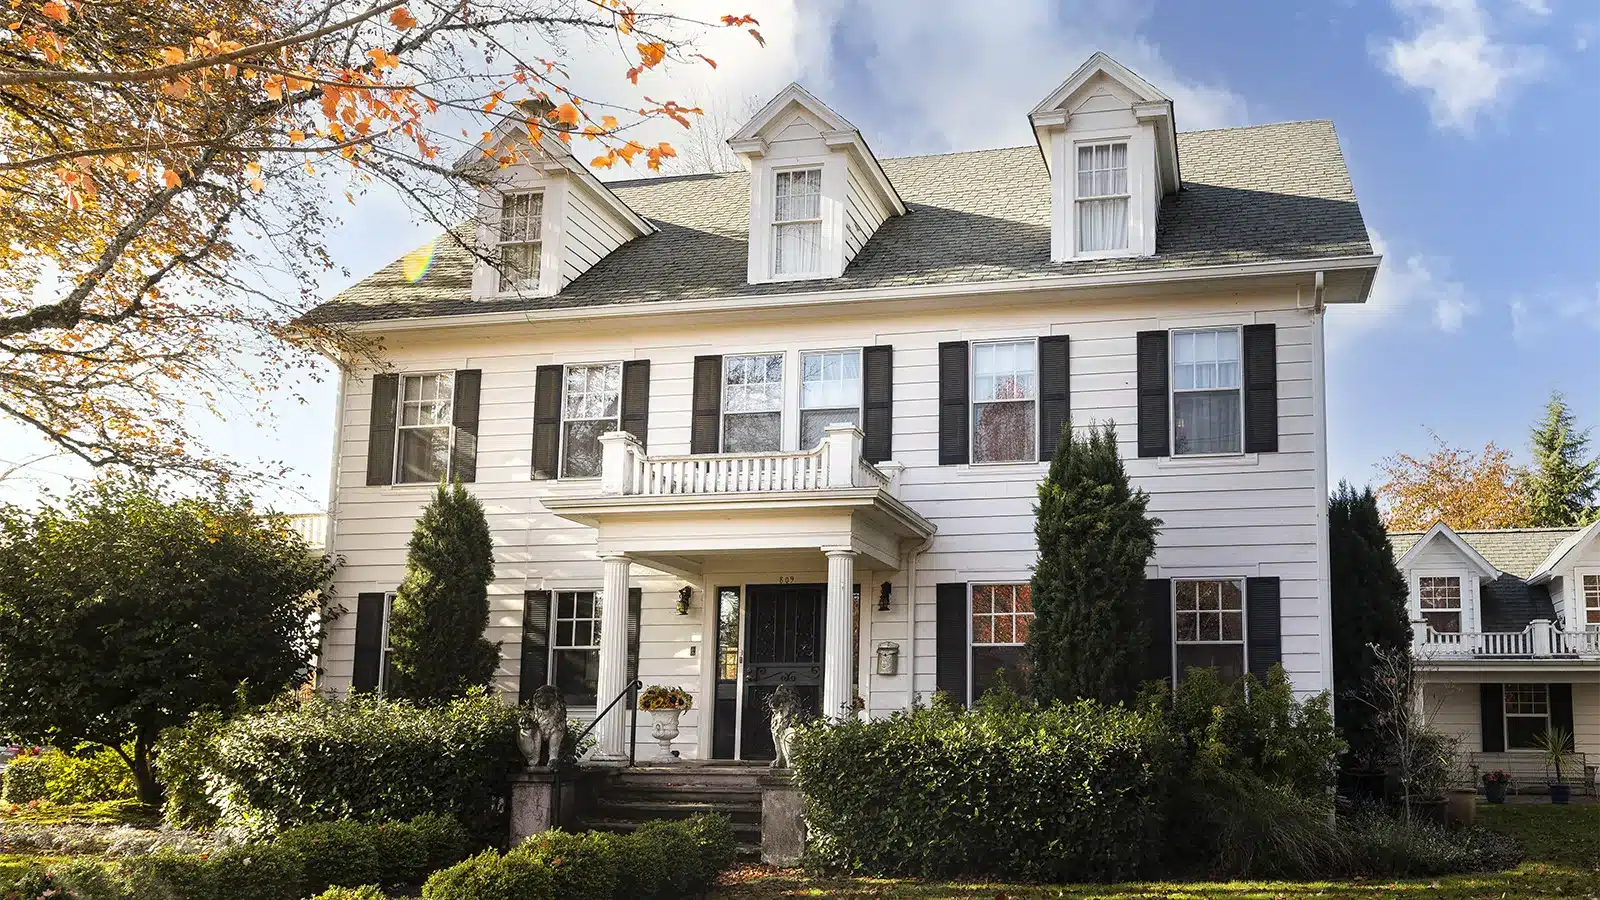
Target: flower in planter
661,696
1498,776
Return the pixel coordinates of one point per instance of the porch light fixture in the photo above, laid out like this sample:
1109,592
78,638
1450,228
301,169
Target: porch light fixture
883,597
684,594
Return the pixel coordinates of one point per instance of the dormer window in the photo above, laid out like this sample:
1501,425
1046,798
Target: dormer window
1102,197
521,218
797,223
1441,602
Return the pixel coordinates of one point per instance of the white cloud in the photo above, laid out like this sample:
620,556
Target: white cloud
1409,291
1453,55
1534,7
1585,309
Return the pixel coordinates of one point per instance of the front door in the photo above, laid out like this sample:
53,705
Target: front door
783,645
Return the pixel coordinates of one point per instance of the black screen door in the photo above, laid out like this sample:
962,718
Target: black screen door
783,646
725,708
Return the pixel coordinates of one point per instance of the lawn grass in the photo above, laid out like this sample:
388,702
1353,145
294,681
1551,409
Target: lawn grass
1563,846
109,812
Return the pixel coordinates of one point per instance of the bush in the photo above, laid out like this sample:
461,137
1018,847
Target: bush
490,876
364,892
581,865
188,752
1384,847
940,791
367,759
398,856
25,780
93,777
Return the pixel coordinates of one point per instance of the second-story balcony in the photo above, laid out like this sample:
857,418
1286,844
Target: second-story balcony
1540,640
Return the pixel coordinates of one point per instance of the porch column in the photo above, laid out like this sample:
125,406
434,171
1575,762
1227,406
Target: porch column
838,646
611,733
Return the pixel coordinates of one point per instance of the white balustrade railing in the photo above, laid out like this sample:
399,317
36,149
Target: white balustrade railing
1578,643
1541,639
313,527
626,470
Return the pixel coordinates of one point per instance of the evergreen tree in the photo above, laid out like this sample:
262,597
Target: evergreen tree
1369,609
1089,636
1563,483
442,608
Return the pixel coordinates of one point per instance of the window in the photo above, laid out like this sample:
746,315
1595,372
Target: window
590,406
1441,602
1004,388
521,216
1591,602
1207,404
728,635
1527,715
752,403
422,448
575,652
830,393
797,223
1102,197
1002,615
386,644
1209,626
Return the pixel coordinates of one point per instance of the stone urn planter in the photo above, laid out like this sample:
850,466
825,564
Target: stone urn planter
665,729
665,704
1461,806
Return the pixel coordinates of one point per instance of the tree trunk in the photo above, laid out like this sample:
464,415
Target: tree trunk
143,769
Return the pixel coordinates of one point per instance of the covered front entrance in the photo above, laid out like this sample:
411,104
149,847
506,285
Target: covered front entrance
783,642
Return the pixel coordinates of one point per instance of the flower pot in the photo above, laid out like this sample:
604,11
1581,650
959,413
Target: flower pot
1560,793
665,729
1430,810
1495,791
1461,806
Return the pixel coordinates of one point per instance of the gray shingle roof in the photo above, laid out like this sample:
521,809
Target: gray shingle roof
1518,551
1259,194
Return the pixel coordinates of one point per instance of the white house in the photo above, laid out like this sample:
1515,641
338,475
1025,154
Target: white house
1506,628
785,425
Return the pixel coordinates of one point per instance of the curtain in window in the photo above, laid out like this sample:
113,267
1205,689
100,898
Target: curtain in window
1102,173
1103,225
797,229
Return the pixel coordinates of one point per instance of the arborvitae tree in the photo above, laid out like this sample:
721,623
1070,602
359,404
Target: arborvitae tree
1369,609
442,608
1089,636
1563,482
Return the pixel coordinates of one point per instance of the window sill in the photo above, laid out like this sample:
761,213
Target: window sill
1209,461
1037,464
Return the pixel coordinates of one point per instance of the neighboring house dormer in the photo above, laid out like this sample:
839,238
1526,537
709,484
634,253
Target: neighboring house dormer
543,218
1444,574
817,194
1571,573
1110,143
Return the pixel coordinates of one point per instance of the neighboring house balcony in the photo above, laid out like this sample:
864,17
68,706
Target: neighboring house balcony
312,527
1541,640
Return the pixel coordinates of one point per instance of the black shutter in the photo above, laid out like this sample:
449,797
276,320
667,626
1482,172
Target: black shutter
635,607
369,642
951,650
1055,397
464,416
1261,389
705,430
547,422
953,410
636,399
877,403
1561,711
1154,439
1158,612
1491,716
1263,604
535,644
380,430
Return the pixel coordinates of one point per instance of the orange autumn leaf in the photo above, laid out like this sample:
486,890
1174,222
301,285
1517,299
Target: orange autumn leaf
709,61
403,19
652,54
296,135
565,114
172,56
609,123
171,179
382,58
56,10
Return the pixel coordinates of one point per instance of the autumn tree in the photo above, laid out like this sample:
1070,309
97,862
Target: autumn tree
166,169
1465,490
1564,480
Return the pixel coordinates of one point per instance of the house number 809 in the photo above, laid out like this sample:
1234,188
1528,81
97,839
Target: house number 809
786,579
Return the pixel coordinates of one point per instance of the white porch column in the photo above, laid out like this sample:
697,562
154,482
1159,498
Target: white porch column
1542,635
837,646
611,734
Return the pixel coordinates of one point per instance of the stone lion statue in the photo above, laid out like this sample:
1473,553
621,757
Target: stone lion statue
787,714
542,727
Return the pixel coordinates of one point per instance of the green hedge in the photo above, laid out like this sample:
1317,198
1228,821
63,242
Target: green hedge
90,776
1063,793
660,861
24,781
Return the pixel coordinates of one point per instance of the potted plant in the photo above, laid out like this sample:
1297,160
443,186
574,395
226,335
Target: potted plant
1553,746
1494,785
665,703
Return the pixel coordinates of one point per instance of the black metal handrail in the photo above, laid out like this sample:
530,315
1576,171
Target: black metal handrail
633,739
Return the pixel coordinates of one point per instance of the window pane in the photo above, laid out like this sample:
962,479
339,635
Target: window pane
814,423
1023,624
1227,659
982,629
982,598
1205,422
1444,623
580,448
1523,732
424,454
752,433
1103,225
593,392
519,266
1232,626
991,665
1003,432
798,195
577,676
1002,630
1004,371
830,380
753,383
797,248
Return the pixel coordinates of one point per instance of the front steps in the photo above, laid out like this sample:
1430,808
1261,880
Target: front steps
631,797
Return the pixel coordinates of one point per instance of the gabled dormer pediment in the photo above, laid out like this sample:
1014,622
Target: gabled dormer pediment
816,191
1110,142
543,218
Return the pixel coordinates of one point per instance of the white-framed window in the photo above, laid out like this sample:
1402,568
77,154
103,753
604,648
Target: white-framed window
1207,398
1002,616
752,403
797,222
1005,408
575,646
424,432
1591,602
386,645
1440,599
1527,711
591,405
521,218
1102,197
830,392
1208,626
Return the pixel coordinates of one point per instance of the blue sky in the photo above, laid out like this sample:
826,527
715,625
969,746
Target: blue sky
1471,128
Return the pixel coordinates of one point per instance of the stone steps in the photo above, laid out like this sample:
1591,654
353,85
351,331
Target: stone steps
643,794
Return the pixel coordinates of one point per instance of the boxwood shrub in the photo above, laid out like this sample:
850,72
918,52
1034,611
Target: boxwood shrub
1061,793
90,775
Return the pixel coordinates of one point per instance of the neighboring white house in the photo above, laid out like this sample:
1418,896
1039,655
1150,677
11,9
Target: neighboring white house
1506,628
791,420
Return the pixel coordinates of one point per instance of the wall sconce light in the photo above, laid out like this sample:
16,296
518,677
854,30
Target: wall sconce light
684,594
883,597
